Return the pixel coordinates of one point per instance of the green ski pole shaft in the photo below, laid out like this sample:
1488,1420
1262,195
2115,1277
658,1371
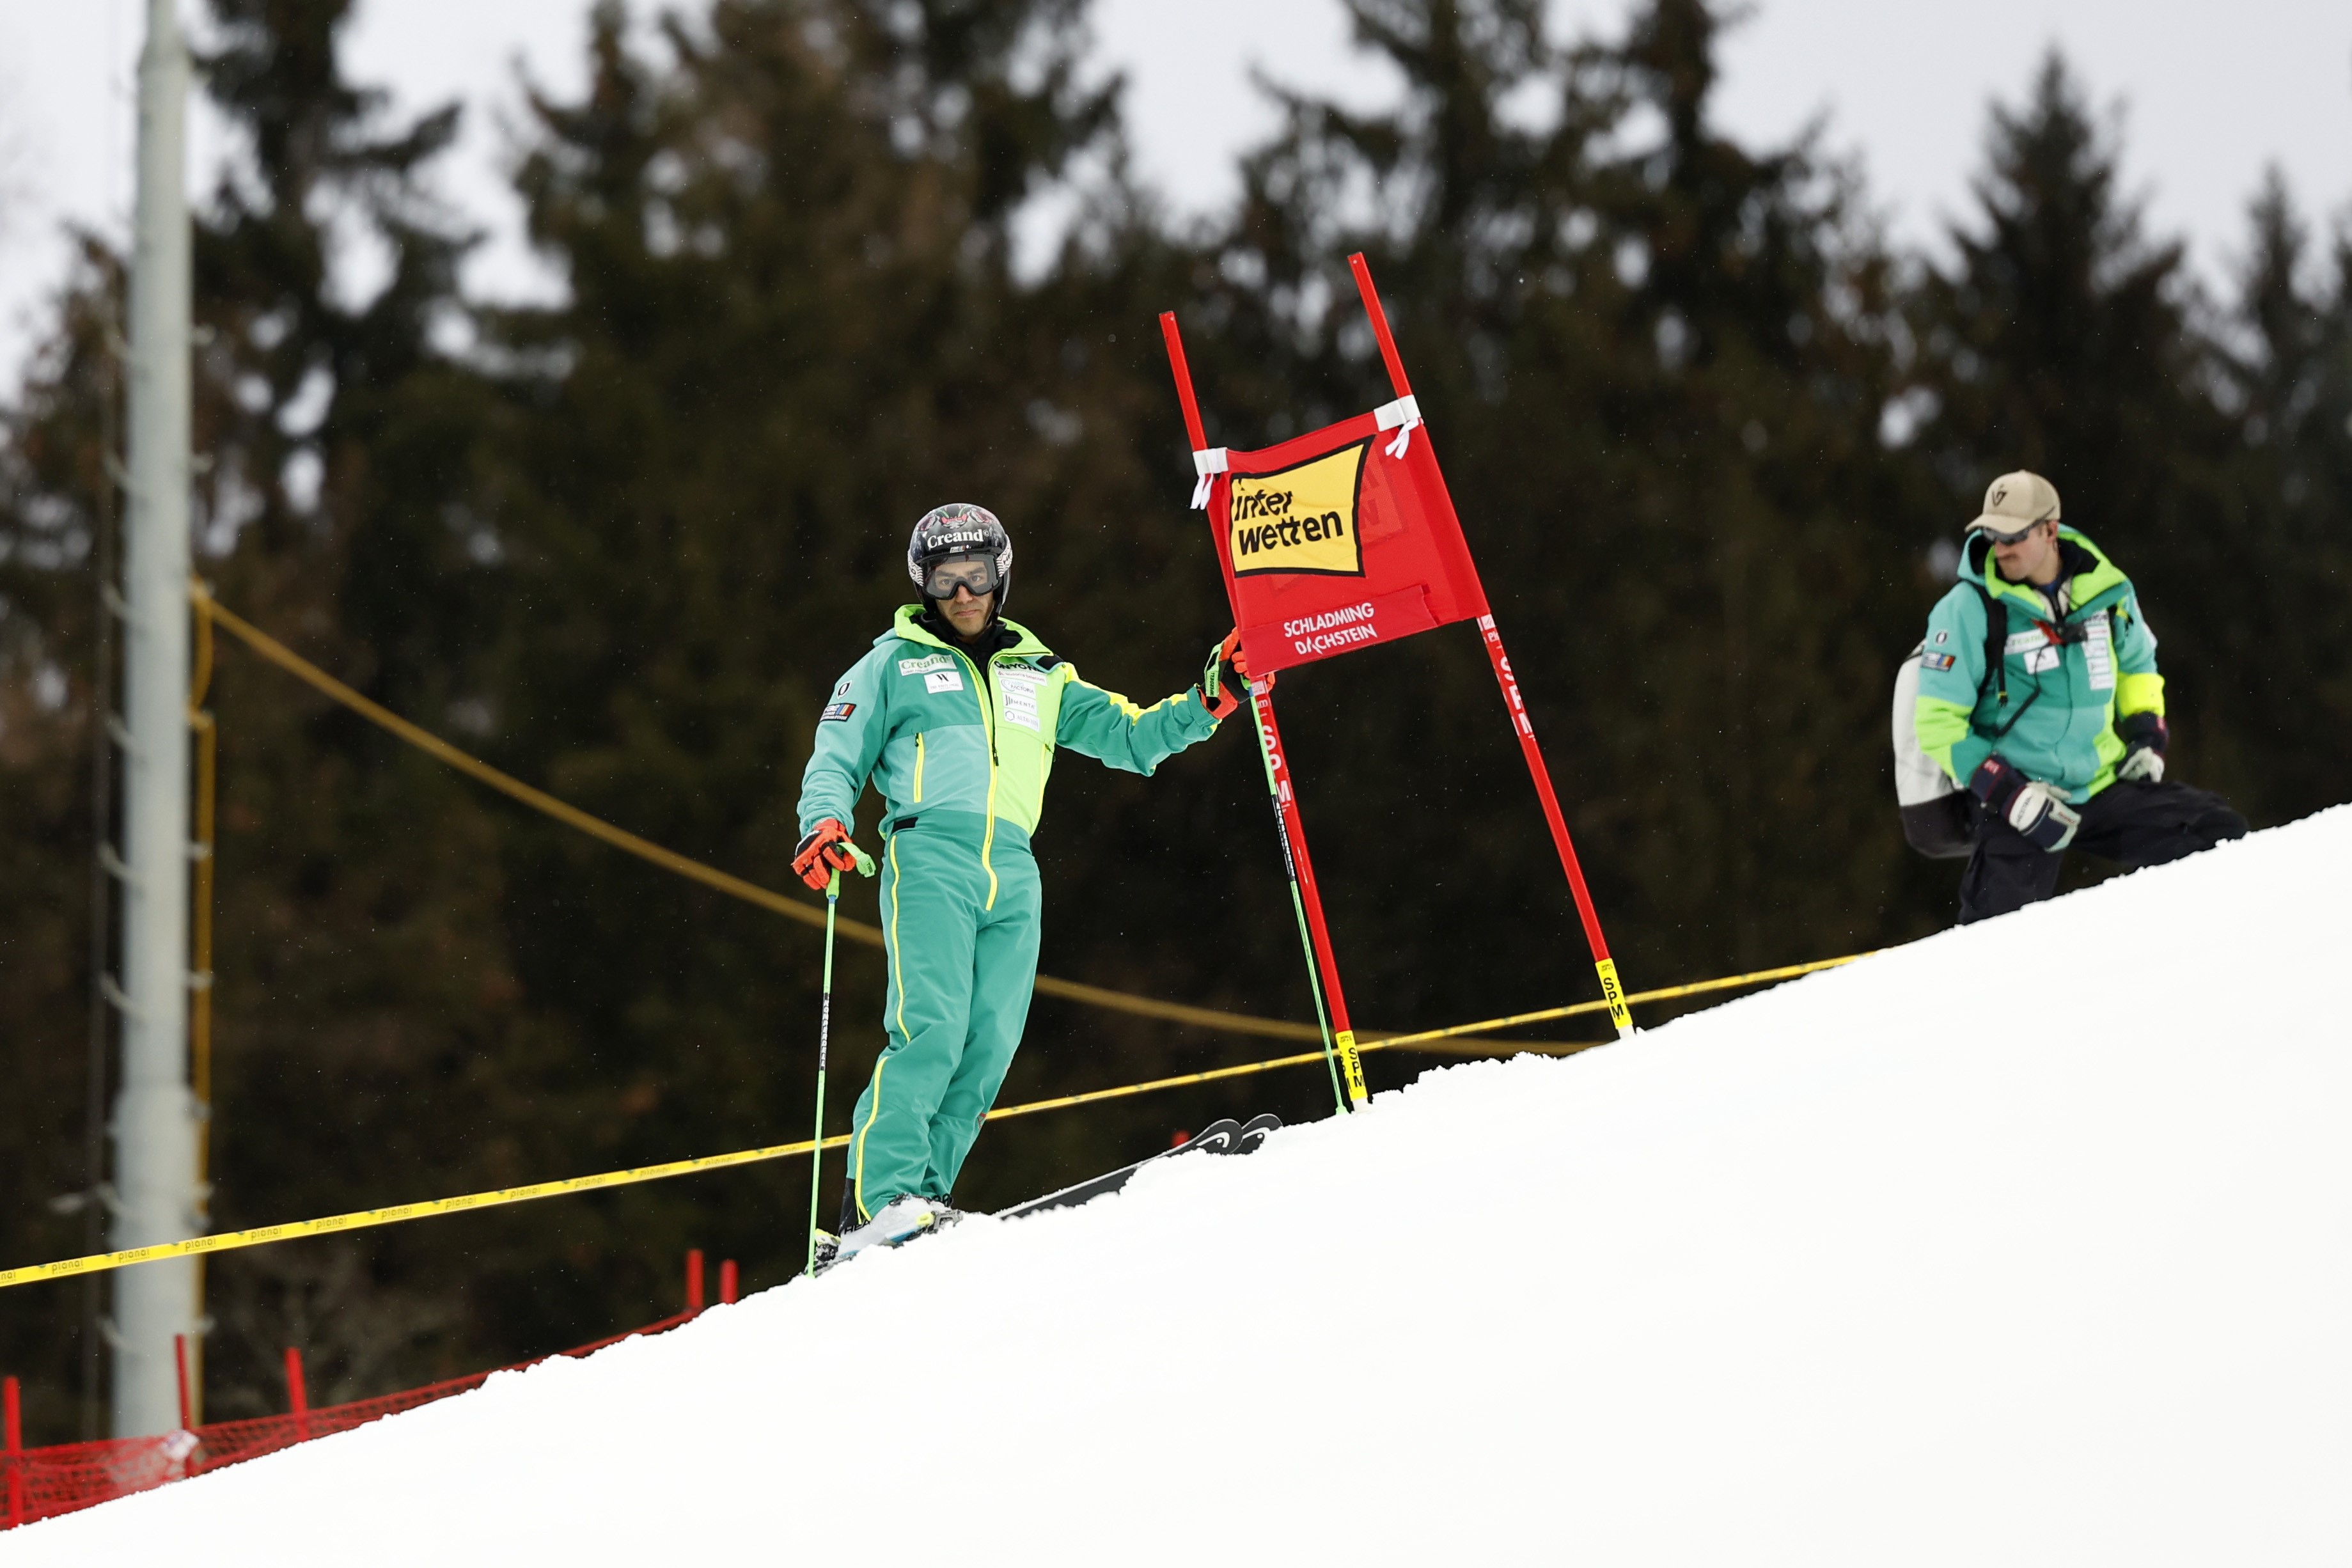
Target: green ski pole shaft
823,1044
1259,723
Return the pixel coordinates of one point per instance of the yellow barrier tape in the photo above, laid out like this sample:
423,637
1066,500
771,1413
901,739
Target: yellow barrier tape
1664,993
366,1219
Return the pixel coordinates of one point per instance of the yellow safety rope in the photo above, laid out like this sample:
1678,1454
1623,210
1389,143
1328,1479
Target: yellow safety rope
211,609
1427,1039
364,1219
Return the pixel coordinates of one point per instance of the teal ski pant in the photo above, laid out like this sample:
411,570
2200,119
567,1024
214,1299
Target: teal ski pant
962,966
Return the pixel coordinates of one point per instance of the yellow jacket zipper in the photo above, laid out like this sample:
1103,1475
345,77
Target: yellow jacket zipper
985,690
918,767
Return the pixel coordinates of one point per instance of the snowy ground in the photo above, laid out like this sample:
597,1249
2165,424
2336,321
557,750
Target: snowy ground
2028,1244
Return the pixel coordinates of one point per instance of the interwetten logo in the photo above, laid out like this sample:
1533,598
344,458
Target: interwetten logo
1299,520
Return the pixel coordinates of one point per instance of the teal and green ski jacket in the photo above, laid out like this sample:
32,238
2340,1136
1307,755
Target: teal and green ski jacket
2068,681
934,732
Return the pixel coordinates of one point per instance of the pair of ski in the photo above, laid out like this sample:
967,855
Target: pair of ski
1224,1136
1221,1137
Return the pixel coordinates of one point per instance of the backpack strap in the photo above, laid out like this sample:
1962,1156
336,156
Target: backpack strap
1997,662
1996,645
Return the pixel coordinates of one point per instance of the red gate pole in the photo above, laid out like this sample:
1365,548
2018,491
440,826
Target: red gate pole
726,1282
1176,362
180,1355
13,1419
297,1396
693,1280
1340,1045
1602,964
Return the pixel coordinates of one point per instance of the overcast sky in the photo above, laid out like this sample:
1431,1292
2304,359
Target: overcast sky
2210,93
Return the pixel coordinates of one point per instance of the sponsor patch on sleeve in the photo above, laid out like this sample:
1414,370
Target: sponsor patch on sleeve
836,711
1937,661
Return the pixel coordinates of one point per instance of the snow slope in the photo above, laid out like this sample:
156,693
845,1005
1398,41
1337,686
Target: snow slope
2027,1244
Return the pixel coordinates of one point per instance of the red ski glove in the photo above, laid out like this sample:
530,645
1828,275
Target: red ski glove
1225,678
822,853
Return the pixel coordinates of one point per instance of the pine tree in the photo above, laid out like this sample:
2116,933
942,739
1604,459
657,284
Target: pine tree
2283,637
55,513
360,969
2059,340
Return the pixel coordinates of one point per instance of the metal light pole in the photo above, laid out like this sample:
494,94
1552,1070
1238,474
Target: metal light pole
154,1124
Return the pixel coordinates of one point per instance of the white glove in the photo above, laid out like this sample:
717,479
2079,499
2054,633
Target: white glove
2042,817
2145,765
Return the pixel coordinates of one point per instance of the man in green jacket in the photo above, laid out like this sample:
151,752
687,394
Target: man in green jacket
954,718
2060,736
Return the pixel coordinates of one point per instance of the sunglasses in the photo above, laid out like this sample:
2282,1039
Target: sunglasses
978,577
2020,537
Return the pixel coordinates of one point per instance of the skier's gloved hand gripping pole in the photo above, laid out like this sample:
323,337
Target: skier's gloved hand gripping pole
1602,964
1223,677
826,853
864,863
1322,969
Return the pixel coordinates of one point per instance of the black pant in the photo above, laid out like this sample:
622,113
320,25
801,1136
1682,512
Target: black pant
2136,824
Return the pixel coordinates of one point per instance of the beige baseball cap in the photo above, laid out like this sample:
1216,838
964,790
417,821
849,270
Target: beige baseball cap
2016,501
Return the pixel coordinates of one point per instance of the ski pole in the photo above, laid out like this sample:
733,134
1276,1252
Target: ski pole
824,1045
1262,716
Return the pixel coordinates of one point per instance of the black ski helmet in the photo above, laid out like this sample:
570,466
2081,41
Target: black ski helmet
961,532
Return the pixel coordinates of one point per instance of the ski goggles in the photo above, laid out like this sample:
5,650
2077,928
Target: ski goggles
974,573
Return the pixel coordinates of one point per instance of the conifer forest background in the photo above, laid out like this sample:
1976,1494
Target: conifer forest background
1712,436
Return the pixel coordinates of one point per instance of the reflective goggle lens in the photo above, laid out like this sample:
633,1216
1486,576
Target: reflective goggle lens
946,578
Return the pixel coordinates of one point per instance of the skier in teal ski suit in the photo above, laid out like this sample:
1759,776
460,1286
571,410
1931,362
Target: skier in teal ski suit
954,718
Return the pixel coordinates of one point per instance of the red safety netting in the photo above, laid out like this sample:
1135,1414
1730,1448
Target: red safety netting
41,1483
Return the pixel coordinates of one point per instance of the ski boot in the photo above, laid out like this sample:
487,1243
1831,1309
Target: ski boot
898,1222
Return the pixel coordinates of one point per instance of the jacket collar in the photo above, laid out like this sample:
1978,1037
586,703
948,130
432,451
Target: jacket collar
1012,636
2091,579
